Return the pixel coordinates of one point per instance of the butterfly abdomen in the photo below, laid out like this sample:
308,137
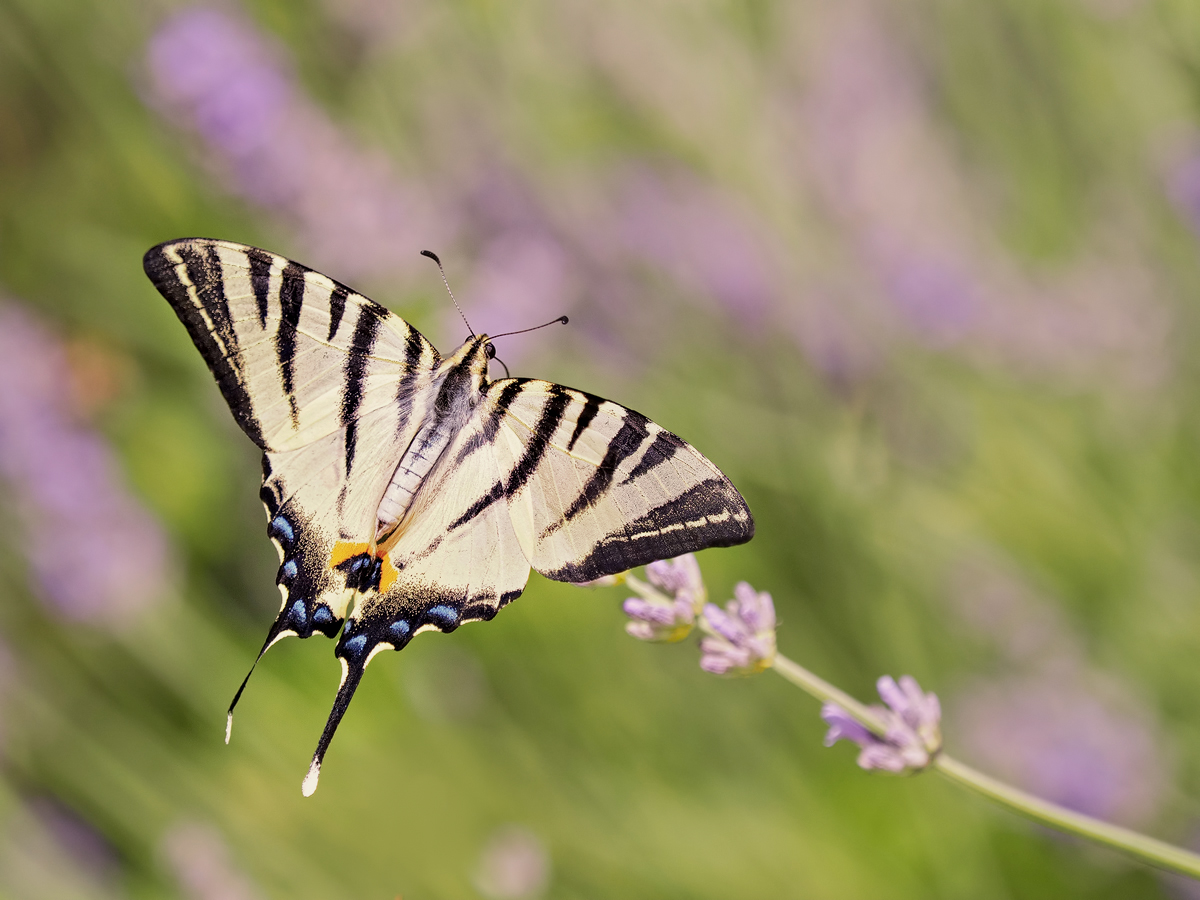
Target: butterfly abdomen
424,451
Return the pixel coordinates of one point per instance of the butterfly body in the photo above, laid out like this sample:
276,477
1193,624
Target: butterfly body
406,492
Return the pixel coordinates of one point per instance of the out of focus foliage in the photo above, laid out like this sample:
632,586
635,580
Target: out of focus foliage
921,277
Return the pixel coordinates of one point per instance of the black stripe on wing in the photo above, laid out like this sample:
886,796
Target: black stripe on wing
291,302
711,514
624,444
337,308
661,449
366,330
552,415
260,280
207,319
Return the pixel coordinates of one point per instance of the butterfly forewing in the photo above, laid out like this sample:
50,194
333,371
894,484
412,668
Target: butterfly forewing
296,354
612,490
320,377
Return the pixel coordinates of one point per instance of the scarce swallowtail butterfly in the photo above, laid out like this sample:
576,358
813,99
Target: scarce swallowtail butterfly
406,492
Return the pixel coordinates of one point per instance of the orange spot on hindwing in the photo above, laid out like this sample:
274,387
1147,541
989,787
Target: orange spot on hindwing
364,570
344,550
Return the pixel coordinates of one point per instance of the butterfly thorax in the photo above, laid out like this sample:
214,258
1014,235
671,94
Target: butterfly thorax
455,387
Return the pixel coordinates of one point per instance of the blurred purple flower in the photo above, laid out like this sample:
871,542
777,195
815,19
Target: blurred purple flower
668,613
199,858
703,239
1078,740
937,296
96,554
741,637
913,720
923,263
1183,187
86,847
215,72
513,865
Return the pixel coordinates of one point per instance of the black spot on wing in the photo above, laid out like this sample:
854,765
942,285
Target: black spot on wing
337,307
590,408
366,330
260,280
214,338
660,450
291,301
711,514
624,444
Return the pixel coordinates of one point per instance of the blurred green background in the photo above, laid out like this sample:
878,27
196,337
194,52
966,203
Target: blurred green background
921,277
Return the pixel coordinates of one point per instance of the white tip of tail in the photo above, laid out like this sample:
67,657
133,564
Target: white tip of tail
310,780
228,726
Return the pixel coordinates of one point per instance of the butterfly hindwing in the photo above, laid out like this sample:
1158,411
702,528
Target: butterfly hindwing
457,561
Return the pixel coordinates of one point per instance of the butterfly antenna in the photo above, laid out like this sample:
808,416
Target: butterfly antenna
561,320
434,257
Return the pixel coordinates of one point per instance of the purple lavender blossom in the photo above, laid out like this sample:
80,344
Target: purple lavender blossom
514,864
741,637
199,857
215,73
1073,737
705,240
665,610
1183,187
95,552
913,721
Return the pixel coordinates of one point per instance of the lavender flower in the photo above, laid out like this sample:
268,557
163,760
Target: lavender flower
741,637
666,609
1071,735
94,551
913,719
514,864
199,858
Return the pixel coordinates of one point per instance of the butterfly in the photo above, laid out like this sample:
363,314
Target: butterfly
407,492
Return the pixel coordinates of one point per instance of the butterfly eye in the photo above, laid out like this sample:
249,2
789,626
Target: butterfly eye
490,350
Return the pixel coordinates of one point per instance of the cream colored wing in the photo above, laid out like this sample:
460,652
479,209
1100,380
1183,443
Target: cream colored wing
595,488
331,385
456,559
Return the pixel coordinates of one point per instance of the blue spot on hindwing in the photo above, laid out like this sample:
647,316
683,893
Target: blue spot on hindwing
443,616
299,614
322,615
400,628
355,644
288,571
281,529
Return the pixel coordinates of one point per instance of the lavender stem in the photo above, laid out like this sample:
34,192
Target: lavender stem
1149,850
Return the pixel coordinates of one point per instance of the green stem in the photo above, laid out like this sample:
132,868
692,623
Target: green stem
827,693
1155,852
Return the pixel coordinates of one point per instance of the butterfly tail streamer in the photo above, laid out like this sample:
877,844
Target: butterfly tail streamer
277,633
352,674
